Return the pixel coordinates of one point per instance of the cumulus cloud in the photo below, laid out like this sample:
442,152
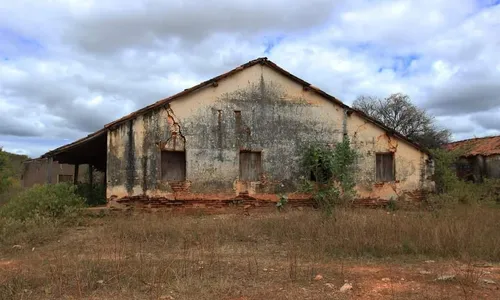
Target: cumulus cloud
156,23
69,67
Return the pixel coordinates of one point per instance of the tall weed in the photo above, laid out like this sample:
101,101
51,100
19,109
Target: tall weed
46,201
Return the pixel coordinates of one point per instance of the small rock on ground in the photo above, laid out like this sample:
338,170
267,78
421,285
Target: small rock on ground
489,281
483,265
446,277
425,272
329,285
318,277
346,287
386,279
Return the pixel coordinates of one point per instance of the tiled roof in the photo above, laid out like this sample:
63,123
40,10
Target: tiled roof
478,146
213,82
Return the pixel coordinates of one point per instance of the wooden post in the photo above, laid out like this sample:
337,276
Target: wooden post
91,176
49,170
75,174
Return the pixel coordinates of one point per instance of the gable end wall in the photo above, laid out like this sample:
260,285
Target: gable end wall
256,109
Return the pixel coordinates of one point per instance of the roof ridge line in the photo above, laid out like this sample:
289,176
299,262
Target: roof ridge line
260,60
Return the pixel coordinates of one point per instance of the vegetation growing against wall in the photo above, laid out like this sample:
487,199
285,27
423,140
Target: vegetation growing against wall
94,194
332,173
445,175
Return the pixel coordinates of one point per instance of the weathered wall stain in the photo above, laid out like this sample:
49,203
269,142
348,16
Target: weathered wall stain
257,109
130,157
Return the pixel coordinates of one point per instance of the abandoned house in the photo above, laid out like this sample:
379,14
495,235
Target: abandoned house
240,136
479,158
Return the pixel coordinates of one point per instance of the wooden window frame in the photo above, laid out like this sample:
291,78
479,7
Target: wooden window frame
259,173
59,178
383,179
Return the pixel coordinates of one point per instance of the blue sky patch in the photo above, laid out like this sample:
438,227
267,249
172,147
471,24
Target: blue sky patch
271,42
487,3
14,43
400,64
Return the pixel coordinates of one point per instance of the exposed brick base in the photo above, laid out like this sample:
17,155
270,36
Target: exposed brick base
242,202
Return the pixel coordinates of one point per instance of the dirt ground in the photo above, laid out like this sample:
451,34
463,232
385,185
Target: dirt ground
99,261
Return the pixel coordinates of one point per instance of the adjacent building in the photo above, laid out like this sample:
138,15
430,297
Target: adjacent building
240,137
36,171
479,158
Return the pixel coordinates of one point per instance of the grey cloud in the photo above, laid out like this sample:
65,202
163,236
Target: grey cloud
488,120
158,23
134,53
474,134
457,124
465,97
18,127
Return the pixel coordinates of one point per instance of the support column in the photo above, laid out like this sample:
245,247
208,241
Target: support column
75,174
49,170
91,176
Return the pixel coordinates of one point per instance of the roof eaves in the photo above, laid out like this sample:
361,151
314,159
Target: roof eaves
262,60
75,143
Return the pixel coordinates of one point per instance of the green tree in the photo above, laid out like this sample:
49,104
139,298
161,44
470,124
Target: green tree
399,113
4,171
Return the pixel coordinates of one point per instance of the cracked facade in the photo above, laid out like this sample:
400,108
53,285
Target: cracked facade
241,138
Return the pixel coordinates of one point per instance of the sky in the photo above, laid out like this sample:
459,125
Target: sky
69,67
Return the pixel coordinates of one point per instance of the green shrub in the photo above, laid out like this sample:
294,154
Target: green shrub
318,162
4,172
445,175
94,195
468,193
282,202
392,205
333,170
43,201
490,190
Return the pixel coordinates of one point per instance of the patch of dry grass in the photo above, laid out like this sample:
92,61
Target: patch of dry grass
262,256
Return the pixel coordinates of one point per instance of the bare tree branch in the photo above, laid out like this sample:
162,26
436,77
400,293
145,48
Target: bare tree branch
397,112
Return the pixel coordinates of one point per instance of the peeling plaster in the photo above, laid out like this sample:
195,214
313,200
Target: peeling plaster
257,110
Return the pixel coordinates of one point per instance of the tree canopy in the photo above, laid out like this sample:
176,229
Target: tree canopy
399,113
4,171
